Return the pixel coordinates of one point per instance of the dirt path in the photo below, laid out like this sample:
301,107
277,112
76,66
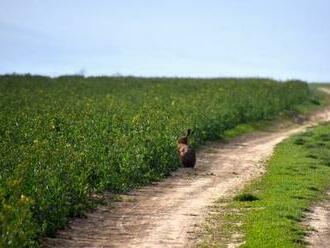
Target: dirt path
325,90
319,221
166,214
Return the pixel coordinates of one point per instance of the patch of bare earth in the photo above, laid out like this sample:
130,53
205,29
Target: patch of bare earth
318,220
167,213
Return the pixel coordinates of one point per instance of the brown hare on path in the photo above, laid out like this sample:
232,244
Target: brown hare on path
186,153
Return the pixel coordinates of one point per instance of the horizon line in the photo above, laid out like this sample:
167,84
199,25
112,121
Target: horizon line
119,75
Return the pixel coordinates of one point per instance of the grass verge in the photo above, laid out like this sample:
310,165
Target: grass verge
268,212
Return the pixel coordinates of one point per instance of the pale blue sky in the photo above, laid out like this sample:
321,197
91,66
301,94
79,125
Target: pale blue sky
280,38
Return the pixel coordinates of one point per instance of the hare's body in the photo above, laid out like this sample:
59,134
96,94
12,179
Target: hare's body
187,156
186,153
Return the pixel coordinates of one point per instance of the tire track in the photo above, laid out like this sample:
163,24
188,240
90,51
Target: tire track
319,220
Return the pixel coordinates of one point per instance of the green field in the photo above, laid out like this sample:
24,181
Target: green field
62,139
271,209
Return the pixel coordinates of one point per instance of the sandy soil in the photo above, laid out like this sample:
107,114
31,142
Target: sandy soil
167,213
319,222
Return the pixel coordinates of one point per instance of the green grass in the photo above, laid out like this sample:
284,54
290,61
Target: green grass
270,209
61,139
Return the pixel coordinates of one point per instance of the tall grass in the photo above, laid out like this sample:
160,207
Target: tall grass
62,139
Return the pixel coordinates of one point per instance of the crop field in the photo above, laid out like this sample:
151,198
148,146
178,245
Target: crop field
62,139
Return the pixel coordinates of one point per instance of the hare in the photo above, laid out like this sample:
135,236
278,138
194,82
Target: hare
186,153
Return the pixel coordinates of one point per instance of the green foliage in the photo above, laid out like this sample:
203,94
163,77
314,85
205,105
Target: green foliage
245,197
62,139
315,101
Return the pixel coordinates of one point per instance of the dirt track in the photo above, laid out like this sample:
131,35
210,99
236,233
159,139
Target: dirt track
319,221
165,214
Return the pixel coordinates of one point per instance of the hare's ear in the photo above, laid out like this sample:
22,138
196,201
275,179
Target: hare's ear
192,132
189,132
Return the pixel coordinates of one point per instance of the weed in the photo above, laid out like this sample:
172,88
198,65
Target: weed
246,197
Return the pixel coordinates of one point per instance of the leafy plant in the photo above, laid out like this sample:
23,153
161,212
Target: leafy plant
63,138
